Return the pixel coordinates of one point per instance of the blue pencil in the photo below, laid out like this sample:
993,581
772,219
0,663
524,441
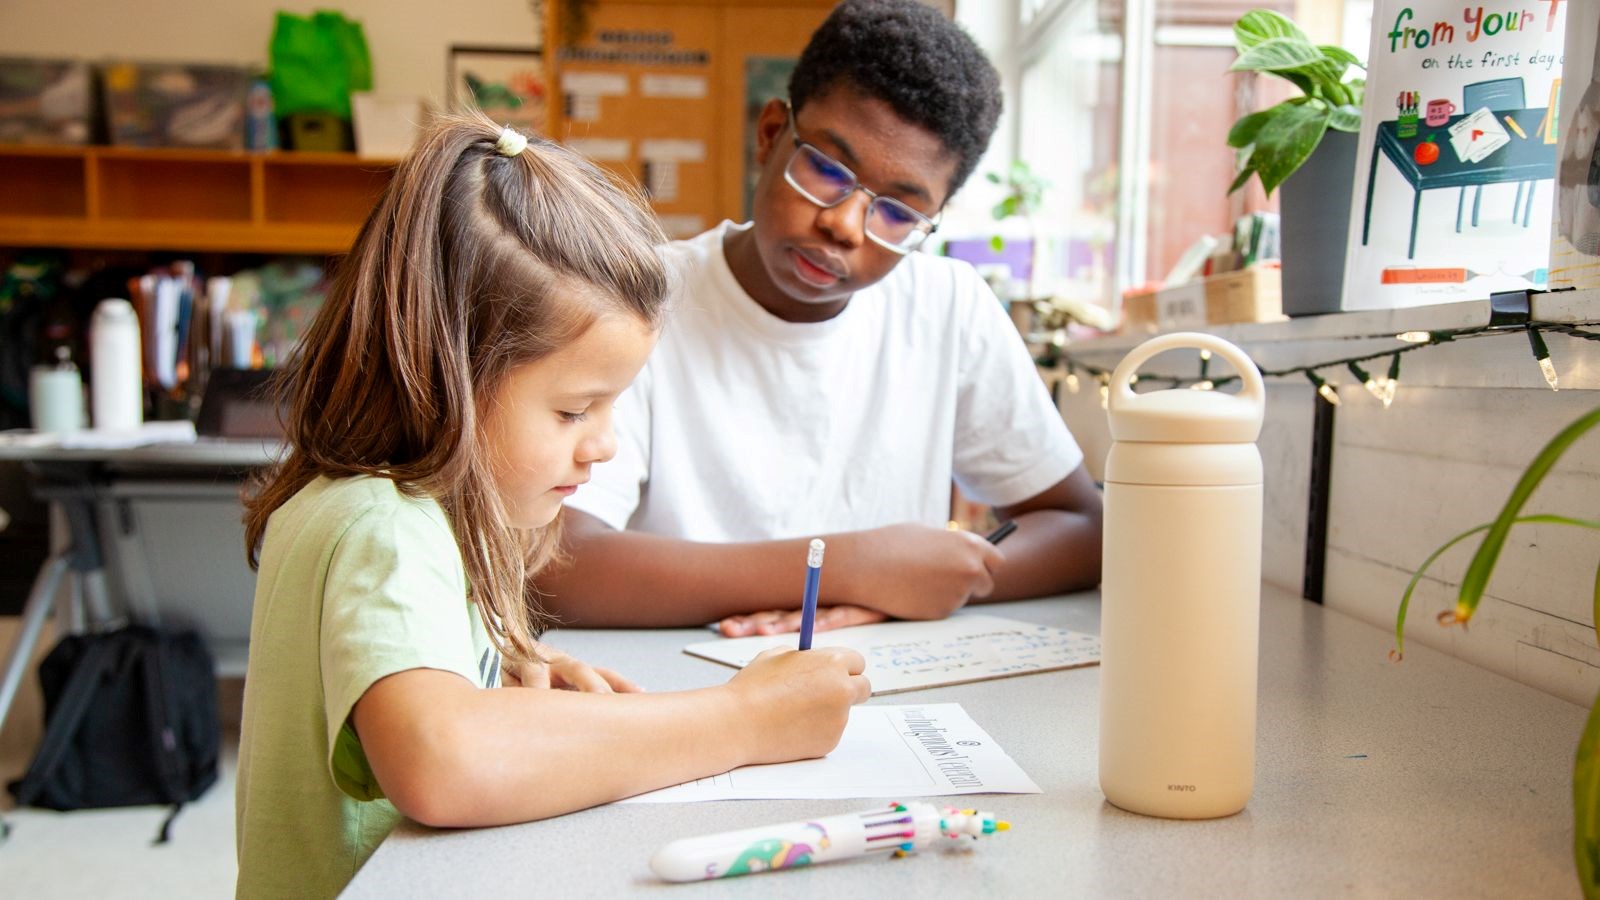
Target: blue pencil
808,611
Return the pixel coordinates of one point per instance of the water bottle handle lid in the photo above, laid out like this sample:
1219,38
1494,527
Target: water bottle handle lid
1253,390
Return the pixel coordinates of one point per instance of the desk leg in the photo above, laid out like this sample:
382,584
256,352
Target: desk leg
1516,205
1416,203
1477,198
40,599
1527,211
1372,177
1461,202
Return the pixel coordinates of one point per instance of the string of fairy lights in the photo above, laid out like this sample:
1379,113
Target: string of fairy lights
1382,387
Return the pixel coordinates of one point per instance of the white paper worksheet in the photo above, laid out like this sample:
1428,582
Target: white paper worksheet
903,656
889,752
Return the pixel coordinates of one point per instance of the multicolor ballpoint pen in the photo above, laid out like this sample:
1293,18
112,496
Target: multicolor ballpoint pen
900,827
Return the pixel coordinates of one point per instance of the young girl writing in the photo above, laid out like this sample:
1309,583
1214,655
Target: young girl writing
456,386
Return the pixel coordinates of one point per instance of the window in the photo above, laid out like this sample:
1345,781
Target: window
1125,107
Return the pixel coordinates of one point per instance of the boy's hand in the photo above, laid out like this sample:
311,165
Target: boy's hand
911,571
783,621
562,672
794,704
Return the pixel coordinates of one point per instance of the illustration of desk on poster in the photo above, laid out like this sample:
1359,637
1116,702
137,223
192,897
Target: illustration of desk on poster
1457,153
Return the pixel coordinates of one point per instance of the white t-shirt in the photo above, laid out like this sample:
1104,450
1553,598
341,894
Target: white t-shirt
743,426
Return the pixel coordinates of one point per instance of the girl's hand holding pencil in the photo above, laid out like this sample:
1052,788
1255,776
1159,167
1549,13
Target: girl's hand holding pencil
798,701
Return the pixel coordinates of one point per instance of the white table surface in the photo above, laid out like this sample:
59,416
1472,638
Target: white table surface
1431,778
223,452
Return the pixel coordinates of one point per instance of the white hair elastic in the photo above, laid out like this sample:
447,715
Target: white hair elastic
511,143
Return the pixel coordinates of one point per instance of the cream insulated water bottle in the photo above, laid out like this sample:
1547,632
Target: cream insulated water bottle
1181,591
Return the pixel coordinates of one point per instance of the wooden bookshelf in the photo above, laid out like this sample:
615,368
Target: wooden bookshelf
185,200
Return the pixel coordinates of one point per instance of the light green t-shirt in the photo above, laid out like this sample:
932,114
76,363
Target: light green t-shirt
357,582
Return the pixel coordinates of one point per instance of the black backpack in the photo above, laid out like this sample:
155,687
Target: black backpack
130,719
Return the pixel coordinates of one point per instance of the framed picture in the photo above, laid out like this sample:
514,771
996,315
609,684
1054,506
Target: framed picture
507,83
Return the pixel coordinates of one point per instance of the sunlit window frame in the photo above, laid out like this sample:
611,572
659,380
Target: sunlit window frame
1038,24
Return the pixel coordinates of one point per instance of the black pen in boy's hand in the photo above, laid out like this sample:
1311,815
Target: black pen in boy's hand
1003,532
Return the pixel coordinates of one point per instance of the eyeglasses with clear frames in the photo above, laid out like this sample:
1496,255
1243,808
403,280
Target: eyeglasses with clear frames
827,182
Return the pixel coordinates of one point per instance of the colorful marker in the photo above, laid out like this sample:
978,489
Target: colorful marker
808,610
901,828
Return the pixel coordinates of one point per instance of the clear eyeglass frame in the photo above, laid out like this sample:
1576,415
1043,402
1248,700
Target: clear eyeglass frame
880,209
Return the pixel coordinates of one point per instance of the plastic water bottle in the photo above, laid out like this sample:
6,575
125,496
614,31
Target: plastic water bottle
1181,591
116,381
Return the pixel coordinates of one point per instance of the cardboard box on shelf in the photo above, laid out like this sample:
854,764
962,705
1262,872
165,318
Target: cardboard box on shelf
1248,295
176,104
44,101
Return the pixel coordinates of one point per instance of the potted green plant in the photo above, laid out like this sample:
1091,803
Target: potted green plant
1024,196
1311,137
1586,766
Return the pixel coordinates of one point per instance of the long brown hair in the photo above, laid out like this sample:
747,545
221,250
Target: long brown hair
472,264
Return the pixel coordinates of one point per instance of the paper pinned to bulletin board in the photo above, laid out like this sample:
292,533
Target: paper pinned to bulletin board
1454,181
507,83
904,656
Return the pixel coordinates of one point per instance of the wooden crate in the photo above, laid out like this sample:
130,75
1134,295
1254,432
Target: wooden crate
1249,295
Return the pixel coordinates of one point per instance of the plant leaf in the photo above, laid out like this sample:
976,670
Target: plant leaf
1476,580
1301,81
1340,55
994,177
1416,577
1346,118
1243,133
1279,54
1585,804
1242,178
1285,141
1357,89
1259,25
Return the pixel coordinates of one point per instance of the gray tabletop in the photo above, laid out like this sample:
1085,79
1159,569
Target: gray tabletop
1428,778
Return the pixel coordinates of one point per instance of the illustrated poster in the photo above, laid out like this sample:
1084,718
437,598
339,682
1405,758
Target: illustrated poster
1455,168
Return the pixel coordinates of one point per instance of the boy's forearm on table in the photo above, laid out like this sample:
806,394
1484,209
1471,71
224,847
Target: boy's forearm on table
1052,552
639,580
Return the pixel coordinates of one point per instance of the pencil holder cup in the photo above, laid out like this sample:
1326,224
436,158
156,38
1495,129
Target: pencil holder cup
1180,590
1406,125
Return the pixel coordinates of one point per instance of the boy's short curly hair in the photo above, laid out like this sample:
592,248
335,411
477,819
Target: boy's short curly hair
927,68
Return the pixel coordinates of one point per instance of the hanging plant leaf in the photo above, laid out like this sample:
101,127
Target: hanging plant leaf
1586,805
1346,117
1259,25
1476,579
1279,54
1416,577
1244,131
1285,141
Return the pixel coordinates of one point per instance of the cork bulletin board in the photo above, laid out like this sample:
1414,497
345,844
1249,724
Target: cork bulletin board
664,93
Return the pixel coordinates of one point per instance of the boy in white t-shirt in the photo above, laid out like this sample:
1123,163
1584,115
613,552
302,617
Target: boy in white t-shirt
816,378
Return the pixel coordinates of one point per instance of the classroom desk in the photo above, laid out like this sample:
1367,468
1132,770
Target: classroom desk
1524,159
1432,777
142,524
